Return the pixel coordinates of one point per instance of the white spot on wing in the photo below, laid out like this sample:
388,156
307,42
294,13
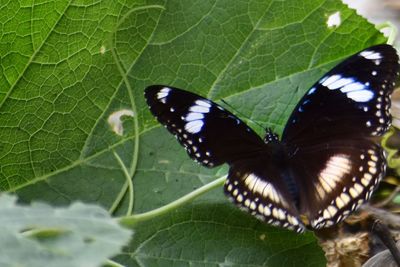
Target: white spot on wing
354,86
199,109
329,80
368,54
203,103
195,116
361,96
267,211
340,83
353,193
192,116
194,126
358,188
339,202
354,90
345,198
162,94
311,91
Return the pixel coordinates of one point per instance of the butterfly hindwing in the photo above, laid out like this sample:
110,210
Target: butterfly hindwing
255,185
336,177
351,100
210,134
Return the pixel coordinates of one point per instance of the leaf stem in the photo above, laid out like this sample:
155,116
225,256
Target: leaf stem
128,185
119,198
135,153
128,181
113,263
133,219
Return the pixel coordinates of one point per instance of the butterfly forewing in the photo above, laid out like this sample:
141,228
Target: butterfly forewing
351,100
210,134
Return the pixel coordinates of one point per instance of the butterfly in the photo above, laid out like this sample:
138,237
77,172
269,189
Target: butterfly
325,165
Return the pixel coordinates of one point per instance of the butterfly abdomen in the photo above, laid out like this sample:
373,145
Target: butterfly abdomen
292,187
278,153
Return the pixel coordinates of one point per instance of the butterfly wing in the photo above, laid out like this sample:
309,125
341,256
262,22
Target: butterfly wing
336,164
351,100
255,185
210,134
336,177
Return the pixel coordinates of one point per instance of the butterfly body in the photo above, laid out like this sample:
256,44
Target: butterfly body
326,163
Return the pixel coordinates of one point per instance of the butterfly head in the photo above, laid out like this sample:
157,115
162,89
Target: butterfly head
270,136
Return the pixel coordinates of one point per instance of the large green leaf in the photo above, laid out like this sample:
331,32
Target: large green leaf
68,65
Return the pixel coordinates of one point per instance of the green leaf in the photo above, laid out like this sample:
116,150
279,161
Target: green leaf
67,66
39,235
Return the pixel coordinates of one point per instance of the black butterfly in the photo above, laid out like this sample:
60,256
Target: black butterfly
325,165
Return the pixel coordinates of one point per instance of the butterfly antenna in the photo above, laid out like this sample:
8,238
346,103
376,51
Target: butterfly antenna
241,114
